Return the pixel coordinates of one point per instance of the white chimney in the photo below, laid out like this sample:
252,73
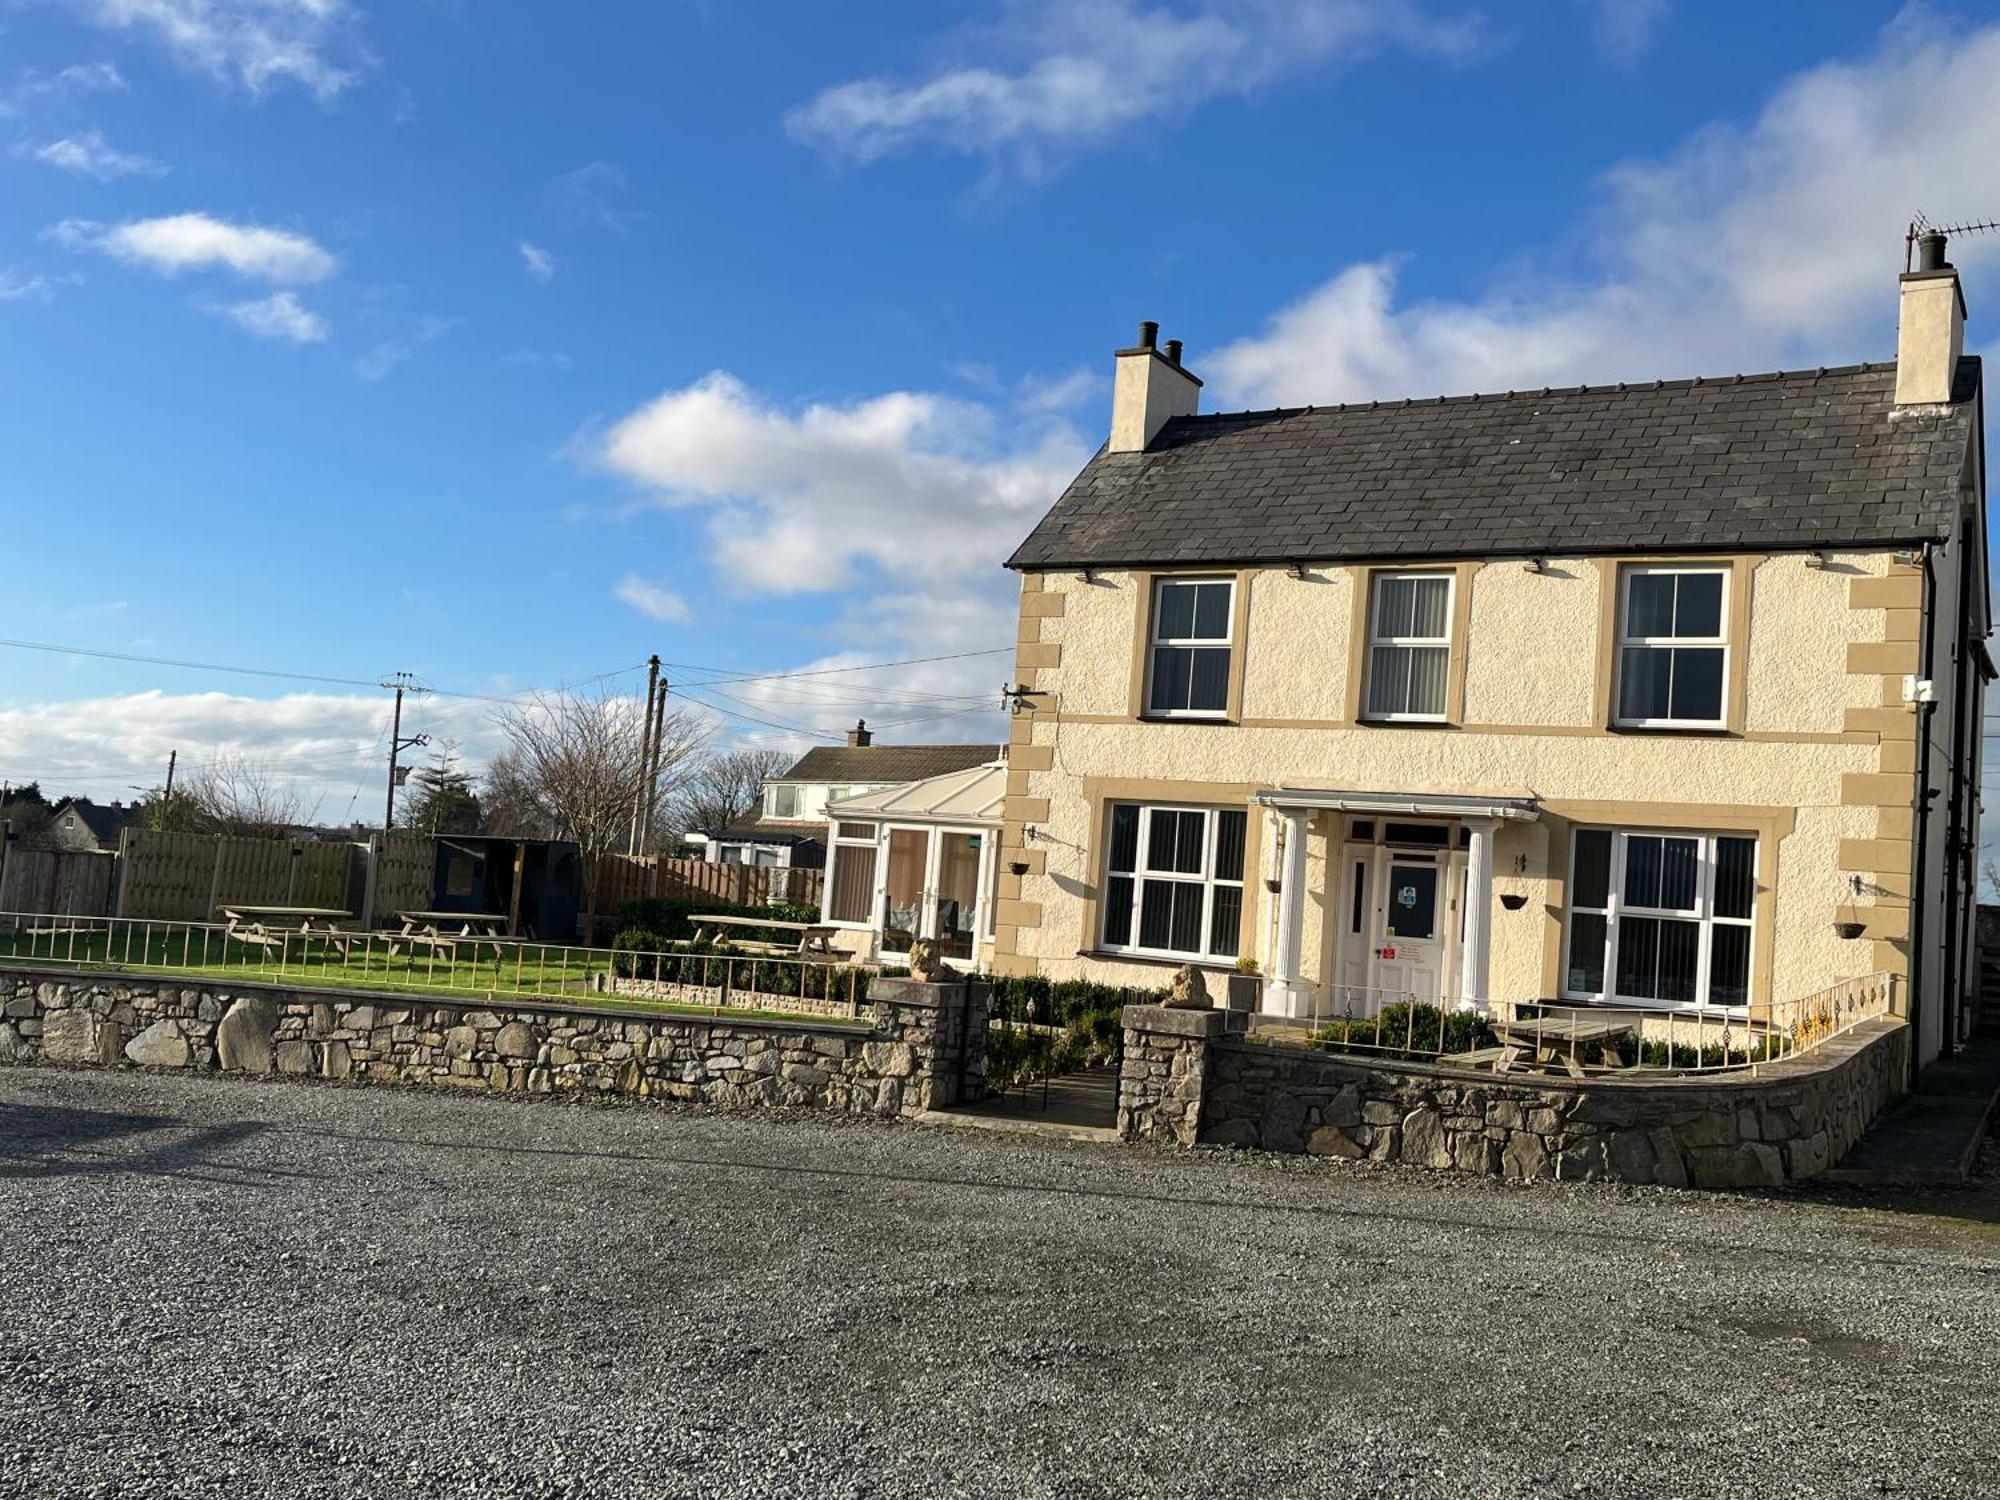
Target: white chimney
1149,388
1930,329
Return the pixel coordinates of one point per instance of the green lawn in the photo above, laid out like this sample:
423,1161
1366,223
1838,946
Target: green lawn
523,972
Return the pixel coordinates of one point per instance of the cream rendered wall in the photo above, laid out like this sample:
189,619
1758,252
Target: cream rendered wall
1291,672
1531,703
1531,644
1807,606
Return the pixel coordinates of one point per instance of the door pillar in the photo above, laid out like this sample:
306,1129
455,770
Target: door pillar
1475,962
1290,995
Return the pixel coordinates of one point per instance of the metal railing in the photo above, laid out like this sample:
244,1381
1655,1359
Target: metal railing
1577,1039
677,978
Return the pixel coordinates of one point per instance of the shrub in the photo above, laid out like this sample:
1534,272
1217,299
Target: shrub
1047,1002
1407,1030
668,918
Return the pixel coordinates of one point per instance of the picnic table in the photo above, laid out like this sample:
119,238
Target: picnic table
270,926
815,939
1541,1044
445,930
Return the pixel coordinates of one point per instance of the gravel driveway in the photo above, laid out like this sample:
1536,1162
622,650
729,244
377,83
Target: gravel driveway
213,1287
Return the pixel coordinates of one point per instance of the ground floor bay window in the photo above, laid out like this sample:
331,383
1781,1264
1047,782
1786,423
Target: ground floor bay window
1173,884
1660,918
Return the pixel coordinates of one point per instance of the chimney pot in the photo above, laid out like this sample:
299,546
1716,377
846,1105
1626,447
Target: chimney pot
1149,334
1173,351
1930,251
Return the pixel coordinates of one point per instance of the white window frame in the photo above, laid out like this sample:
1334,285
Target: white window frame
834,844
771,794
1139,875
1376,638
1703,915
1154,640
1625,640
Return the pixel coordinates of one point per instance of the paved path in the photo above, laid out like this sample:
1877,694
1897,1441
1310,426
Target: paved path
225,1288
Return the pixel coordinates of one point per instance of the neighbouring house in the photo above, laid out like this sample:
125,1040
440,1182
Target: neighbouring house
917,859
1663,695
78,823
789,830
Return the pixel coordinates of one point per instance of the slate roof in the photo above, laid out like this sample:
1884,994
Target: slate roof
1795,459
882,763
103,823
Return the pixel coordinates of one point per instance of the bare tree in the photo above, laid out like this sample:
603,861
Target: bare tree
236,793
508,801
578,760
725,788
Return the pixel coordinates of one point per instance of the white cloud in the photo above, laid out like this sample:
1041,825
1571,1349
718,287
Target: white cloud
1627,29
588,197
1767,246
539,263
1070,72
197,241
88,154
253,43
652,601
919,485
278,316
388,354
20,286
67,83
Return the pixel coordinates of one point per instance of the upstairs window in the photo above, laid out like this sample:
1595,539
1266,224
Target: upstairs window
1188,670
1409,646
1672,653
781,801
1173,881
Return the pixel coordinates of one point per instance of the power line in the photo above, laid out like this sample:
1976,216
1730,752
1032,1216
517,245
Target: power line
873,666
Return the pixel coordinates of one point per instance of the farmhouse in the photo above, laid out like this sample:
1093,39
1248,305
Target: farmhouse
1662,695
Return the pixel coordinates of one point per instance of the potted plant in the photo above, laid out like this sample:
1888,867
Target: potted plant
1246,985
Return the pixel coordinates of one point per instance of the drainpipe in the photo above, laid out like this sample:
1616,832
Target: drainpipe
1922,849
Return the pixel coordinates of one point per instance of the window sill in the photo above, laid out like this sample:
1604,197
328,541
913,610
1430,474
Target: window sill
1221,718
1694,731
1409,723
1116,956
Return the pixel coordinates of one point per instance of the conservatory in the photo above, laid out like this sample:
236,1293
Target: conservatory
917,860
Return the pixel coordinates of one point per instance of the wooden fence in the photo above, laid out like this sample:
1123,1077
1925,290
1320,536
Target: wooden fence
189,877
67,882
736,885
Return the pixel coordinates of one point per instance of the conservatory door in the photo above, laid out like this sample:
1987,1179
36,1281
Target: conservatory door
956,895
904,883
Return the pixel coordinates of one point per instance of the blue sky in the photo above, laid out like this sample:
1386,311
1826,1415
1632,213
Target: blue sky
508,343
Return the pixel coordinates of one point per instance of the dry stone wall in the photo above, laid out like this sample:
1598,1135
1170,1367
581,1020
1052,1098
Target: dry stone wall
1185,1079
915,1046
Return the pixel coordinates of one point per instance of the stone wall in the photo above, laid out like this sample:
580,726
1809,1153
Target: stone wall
1184,1079
915,1046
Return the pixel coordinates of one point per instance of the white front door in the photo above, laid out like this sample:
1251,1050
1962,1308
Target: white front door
1411,926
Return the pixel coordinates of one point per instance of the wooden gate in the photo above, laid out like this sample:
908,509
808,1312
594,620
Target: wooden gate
65,882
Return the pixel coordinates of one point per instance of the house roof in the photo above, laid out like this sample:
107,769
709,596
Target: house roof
971,796
104,823
1797,459
884,763
778,832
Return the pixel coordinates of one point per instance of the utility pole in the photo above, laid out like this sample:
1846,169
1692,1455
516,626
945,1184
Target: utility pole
645,752
659,738
167,797
401,684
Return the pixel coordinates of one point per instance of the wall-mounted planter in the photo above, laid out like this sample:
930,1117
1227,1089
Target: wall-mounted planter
1514,900
1849,930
